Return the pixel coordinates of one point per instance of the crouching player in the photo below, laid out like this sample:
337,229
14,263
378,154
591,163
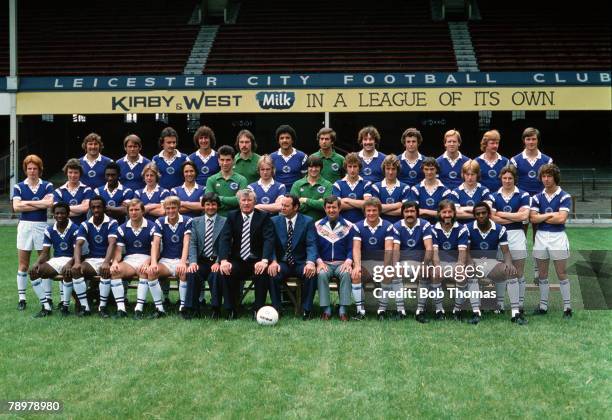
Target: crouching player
61,237
450,242
549,210
100,232
413,246
170,249
486,238
135,237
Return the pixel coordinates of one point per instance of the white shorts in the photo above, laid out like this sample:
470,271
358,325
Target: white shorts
95,263
30,235
136,260
58,263
517,242
551,245
171,264
485,266
414,269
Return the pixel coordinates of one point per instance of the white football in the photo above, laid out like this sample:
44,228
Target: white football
267,315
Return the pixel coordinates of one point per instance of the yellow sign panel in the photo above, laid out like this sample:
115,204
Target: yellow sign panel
322,100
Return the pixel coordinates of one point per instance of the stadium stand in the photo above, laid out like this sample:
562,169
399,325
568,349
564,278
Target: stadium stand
103,38
545,35
317,36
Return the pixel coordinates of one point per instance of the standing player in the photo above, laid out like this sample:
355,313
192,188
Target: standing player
352,190
190,192
93,162
74,192
333,162
135,237
450,243
413,246
451,161
226,182
170,248
371,159
132,164
486,239
246,160
61,237
114,194
549,210
369,249
169,160
31,198
205,158
100,232
491,162
290,163
312,189
511,208
268,192
430,191
411,160
152,195
469,192
390,191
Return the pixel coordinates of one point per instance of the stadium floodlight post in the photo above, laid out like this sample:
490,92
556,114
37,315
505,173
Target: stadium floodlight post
12,89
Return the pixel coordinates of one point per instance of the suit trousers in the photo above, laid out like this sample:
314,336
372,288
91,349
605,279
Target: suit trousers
195,281
309,285
233,285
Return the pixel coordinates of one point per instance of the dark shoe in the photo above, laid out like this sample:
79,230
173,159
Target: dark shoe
567,314
475,319
120,315
50,302
103,312
231,315
519,319
381,315
440,316
215,314
43,313
305,315
158,314
420,317
167,303
522,311
540,311
59,305
138,315
21,306
64,311
344,318
325,316
83,313
400,316
185,314
360,316
458,316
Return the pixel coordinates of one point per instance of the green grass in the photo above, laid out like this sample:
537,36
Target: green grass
173,368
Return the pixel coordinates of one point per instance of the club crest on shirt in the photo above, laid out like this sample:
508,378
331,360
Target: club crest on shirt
411,243
412,174
321,189
205,170
63,246
389,200
137,244
452,174
265,200
286,169
446,246
470,203
233,185
484,245
91,173
492,173
352,195
548,210
170,170
367,171
129,176
430,202
175,239
335,166
531,174
508,209
111,203
372,241
98,239
73,202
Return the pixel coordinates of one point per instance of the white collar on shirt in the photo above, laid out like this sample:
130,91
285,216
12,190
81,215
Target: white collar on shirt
484,234
374,156
65,230
93,162
293,153
143,225
180,220
553,195
439,184
452,161
132,164
373,229
105,220
293,220
205,158
419,157
524,154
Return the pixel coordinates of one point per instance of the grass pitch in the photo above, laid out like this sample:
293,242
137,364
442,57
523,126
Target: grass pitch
202,368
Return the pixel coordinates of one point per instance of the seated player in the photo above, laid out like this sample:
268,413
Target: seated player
152,195
390,191
170,247
411,160
289,162
430,191
413,246
93,162
114,194
549,210
132,164
312,189
486,239
269,192
169,160
450,243
100,232
205,158
371,159
61,237
190,192
31,198
451,161
352,190
369,250
74,192
135,237
469,192
510,209
491,162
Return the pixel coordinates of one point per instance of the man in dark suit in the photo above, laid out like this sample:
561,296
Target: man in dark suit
203,260
295,253
245,249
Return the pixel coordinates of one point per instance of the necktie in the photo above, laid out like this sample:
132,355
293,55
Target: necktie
245,243
289,252
208,239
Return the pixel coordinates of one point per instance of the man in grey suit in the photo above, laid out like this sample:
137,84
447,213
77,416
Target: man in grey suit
203,257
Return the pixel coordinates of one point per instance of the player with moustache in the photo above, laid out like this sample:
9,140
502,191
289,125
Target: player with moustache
169,160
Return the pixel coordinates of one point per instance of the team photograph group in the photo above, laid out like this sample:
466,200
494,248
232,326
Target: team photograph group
219,217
